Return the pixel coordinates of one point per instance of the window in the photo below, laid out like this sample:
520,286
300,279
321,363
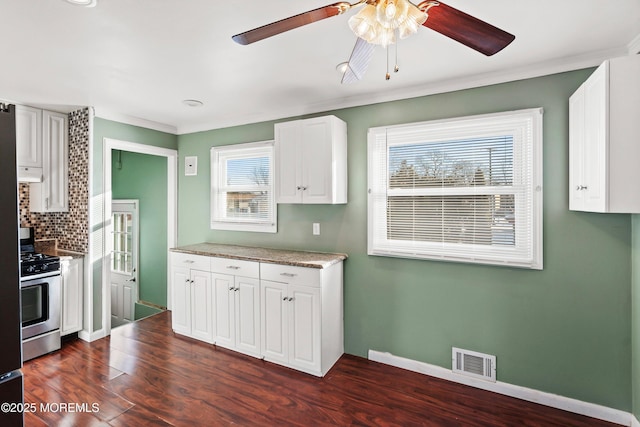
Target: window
466,189
242,195
122,256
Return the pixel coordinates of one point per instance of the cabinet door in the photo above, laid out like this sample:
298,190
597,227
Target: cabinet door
596,140
201,304
247,308
72,281
224,310
54,161
316,159
29,136
288,179
304,328
274,332
577,181
181,311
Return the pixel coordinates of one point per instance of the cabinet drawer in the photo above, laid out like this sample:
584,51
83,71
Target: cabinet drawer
195,262
290,274
235,267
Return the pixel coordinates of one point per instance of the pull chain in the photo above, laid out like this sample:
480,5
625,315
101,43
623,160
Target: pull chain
387,76
396,68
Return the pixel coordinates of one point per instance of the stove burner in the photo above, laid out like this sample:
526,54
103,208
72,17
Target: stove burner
32,263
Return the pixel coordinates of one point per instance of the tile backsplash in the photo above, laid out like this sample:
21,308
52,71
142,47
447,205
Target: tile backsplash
70,229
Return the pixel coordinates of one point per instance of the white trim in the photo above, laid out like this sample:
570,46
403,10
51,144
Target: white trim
134,121
634,45
93,336
87,323
554,66
172,215
634,421
543,398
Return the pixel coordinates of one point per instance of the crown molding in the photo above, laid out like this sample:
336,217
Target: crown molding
634,46
106,114
554,66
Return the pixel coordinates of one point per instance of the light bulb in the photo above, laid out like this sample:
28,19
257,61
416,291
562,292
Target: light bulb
390,10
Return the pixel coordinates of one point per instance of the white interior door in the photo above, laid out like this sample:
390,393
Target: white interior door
124,261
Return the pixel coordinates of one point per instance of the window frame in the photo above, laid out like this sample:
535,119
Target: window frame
526,128
243,150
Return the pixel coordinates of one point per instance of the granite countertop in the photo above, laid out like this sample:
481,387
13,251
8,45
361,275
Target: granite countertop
274,256
49,247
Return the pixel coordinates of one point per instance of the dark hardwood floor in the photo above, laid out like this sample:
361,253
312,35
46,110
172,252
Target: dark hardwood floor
145,375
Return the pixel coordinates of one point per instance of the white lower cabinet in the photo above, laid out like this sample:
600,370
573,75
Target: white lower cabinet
291,326
302,316
192,300
72,291
237,313
288,315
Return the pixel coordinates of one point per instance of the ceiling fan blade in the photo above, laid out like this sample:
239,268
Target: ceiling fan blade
291,23
358,61
466,29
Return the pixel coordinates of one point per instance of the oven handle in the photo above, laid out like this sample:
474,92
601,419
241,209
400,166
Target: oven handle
24,279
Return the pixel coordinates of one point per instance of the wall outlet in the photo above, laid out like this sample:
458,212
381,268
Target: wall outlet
191,166
316,229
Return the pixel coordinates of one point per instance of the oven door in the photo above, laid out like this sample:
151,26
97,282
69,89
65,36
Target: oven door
40,304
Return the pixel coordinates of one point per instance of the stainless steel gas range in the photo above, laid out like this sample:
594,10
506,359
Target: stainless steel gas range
41,293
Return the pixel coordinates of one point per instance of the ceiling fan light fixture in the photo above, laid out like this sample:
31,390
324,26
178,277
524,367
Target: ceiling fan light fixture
377,24
415,18
85,3
364,23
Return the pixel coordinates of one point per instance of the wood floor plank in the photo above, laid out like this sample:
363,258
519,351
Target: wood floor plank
145,375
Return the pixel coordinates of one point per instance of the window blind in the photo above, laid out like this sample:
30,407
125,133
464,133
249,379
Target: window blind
242,196
465,189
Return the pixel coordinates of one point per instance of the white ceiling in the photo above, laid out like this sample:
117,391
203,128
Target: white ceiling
141,58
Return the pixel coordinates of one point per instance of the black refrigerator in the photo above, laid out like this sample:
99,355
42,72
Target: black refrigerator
11,388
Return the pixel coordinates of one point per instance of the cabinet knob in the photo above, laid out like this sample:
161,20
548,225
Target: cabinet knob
231,288
581,187
284,299
291,299
233,267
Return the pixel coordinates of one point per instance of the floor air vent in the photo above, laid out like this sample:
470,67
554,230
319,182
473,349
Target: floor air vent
474,364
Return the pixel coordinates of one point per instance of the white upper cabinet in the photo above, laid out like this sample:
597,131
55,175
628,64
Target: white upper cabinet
52,194
29,143
604,139
311,161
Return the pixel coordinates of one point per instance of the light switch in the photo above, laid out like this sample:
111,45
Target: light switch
190,166
316,229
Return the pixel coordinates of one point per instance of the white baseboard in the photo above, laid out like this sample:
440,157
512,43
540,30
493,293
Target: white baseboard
91,336
548,399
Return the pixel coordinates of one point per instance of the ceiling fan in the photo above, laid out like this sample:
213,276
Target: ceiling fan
381,22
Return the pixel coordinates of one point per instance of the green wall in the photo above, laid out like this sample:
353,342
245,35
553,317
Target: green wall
144,177
564,330
103,128
635,317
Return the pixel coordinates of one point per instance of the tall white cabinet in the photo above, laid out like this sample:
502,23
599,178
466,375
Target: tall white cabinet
311,161
29,143
604,139
52,194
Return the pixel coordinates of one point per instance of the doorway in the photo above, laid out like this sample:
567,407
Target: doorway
168,185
